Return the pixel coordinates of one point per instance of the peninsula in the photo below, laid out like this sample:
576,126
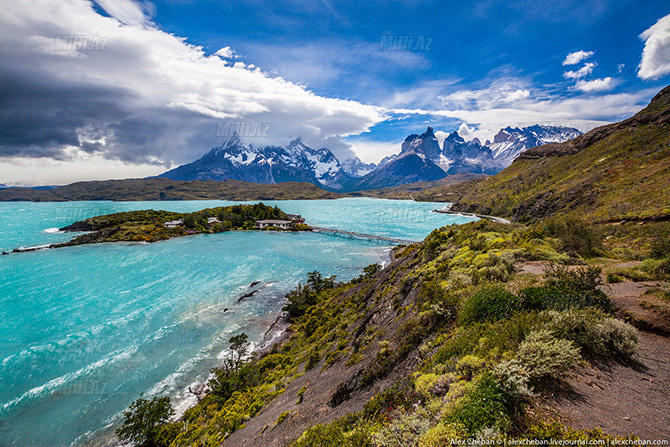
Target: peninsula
154,226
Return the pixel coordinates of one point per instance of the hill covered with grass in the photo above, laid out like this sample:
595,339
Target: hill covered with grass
452,341
612,173
166,189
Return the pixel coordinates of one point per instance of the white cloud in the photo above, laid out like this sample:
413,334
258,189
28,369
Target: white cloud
467,133
225,53
373,151
577,57
149,98
485,117
584,71
655,61
517,95
500,93
126,11
595,85
22,171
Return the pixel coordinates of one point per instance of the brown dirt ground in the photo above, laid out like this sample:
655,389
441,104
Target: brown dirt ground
626,399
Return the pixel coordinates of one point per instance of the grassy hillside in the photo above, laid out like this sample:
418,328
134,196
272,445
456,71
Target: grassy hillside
448,342
166,189
615,172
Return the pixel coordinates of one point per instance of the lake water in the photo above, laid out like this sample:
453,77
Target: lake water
84,330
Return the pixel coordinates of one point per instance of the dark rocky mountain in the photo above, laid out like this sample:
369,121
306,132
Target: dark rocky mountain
296,162
420,159
416,162
458,156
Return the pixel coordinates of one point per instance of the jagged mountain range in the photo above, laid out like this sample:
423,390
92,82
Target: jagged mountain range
296,162
420,159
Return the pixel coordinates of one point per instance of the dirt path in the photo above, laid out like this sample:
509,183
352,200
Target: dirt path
623,399
629,399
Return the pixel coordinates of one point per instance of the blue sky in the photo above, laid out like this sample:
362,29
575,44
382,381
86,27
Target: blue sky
313,70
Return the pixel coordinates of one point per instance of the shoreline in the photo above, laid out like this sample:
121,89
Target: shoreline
479,216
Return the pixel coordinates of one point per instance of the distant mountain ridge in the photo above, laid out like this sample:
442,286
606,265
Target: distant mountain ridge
420,159
297,162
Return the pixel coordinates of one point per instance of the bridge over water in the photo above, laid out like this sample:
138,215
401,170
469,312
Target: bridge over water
364,236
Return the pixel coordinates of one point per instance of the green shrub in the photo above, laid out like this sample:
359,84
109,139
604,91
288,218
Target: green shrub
343,432
314,359
489,303
659,269
486,406
398,397
597,335
442,435
618,337
613,278
545,357
660,247
575,235
565,288
514,379
144,420
282,417
404,430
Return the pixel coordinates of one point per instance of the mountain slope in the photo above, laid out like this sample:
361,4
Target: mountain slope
416,162
296,162
166,189
510,142
614,172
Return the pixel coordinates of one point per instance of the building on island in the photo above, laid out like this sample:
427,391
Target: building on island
173,223
281,224
296,218
212,221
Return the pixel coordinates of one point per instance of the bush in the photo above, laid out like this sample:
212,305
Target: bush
596,334
489,303
486,406
144,420
566,288
613,278
544,357
405,429
428,385
513,379
314,359
282,417
660,247
576,236
441,435
344,432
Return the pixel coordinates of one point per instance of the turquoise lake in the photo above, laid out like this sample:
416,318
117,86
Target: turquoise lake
84,330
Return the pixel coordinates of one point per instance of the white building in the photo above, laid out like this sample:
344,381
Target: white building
173,223
281,224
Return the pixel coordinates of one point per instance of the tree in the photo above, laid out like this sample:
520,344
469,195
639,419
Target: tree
144,421
238,349
233,375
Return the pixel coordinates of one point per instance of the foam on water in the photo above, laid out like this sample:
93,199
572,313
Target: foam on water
149,318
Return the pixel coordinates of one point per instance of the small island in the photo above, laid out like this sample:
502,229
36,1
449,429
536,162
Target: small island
154,226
